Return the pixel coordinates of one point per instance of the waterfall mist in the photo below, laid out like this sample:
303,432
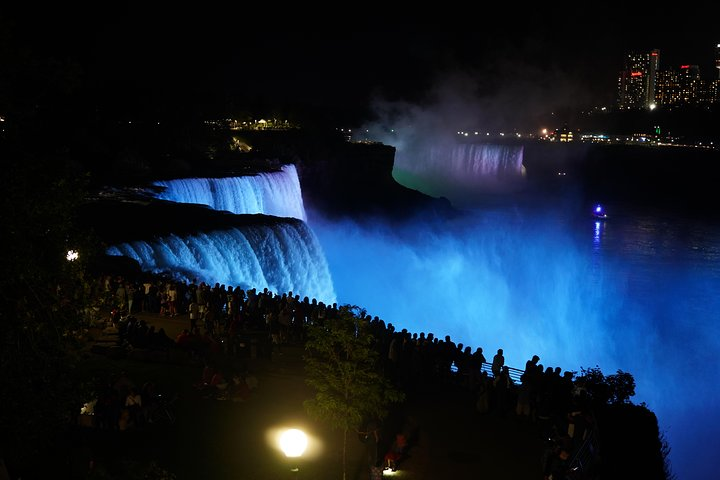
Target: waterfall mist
634,294
487,279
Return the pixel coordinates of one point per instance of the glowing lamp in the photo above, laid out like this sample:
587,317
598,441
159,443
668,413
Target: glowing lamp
293,442
72,255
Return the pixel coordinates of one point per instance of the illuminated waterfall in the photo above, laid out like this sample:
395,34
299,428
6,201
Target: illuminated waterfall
277,193
281,256
461,171
473,161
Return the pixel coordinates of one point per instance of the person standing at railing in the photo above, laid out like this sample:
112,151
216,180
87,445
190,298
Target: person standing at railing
498,362
475,369
531,383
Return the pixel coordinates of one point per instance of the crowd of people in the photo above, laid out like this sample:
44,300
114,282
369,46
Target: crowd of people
221,319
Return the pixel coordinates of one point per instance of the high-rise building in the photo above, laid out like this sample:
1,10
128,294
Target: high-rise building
684,86
653,68
643,85
667,91
636,84
691,86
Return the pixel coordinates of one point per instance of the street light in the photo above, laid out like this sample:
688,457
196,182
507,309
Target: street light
293,443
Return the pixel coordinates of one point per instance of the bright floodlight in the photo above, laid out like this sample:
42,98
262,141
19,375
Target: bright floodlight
293,442
72,255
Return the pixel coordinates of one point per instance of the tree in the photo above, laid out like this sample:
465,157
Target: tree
342,365
42,302
612,389
625,427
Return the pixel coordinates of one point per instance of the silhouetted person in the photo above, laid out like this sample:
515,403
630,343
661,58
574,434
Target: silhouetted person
502,384
498,362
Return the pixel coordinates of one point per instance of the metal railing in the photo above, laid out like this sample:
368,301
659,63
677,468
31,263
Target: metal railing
515,373
584,462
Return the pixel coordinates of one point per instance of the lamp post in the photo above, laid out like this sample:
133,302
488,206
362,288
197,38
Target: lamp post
293,443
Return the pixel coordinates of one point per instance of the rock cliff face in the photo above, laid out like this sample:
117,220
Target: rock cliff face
345,178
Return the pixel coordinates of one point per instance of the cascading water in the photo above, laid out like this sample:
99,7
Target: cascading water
462,171
277,193
282,257
282,254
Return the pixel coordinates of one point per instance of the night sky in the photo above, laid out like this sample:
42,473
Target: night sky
520,63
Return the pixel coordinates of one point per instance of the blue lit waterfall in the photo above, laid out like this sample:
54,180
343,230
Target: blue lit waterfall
273,193
274,249
282,256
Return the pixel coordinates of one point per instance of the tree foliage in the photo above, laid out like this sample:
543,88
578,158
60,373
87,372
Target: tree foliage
42,301
342,366
612,389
